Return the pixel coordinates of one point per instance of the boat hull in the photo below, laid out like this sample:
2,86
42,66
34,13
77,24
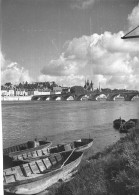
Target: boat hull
84,148
44,181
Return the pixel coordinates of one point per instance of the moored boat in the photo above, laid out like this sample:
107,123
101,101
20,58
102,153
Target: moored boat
26,149
78,145
126,126
118,122
36,176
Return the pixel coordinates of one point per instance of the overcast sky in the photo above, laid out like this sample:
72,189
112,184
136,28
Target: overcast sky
68,41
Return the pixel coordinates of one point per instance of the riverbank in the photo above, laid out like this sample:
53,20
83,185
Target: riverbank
114,171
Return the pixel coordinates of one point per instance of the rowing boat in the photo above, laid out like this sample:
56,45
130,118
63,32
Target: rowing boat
78,145
36,176
24,150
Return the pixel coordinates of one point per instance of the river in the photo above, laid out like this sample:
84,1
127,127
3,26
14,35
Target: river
63,121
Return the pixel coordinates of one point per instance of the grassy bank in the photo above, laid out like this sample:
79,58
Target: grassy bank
114,171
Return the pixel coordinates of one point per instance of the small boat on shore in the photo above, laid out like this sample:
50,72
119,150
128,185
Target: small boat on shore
25,149
78,145
36,176
118,122
123,126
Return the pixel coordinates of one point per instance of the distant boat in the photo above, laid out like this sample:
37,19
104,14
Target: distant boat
25,149
78,145
117,123
125,127
36,176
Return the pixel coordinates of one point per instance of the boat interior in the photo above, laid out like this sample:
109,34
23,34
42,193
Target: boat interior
70,146
42,166
20,147
32,169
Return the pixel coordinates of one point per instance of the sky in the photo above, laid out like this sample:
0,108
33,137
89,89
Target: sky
70,41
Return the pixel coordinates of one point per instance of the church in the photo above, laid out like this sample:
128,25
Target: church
88,86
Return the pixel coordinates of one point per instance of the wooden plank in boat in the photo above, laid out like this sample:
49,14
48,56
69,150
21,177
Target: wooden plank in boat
9,178
18,171
17,148
44,151
24,155
12,149
47,163
26,145
27,170
29,154
20,157
34,154
39,152
34,167
41,165
21,146
67,147
8,171
53,160
15,157
58,157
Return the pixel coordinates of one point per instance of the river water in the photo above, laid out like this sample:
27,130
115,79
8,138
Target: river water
63,121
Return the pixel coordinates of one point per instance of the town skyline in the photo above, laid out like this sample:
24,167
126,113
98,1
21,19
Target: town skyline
70,42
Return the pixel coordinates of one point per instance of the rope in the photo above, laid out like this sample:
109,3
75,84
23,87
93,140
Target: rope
134,36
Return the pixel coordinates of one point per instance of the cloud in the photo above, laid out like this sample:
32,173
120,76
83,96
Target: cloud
133,18
105,58
12,72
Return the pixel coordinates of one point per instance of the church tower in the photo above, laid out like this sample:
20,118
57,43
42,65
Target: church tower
91,86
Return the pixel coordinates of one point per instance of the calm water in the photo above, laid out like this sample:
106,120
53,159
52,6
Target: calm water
64,121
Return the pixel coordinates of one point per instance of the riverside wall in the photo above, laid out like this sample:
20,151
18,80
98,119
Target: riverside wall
16,98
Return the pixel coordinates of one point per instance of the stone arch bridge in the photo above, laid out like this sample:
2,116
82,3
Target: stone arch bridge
110,96
92,96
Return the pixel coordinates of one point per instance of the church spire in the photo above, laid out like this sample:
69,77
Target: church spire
91,86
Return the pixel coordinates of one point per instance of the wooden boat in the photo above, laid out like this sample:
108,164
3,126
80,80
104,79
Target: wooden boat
126,126
78,145
36,176
24,149
117,123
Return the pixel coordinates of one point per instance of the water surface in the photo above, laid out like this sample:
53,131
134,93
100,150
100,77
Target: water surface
62,121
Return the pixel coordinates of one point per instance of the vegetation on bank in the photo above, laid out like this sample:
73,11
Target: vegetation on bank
115,171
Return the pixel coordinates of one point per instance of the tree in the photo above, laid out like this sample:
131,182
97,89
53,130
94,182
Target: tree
77,90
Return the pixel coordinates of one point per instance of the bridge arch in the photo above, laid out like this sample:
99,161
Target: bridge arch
95,96
101,97
78,97
129,97
111,96
35,97
69,98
